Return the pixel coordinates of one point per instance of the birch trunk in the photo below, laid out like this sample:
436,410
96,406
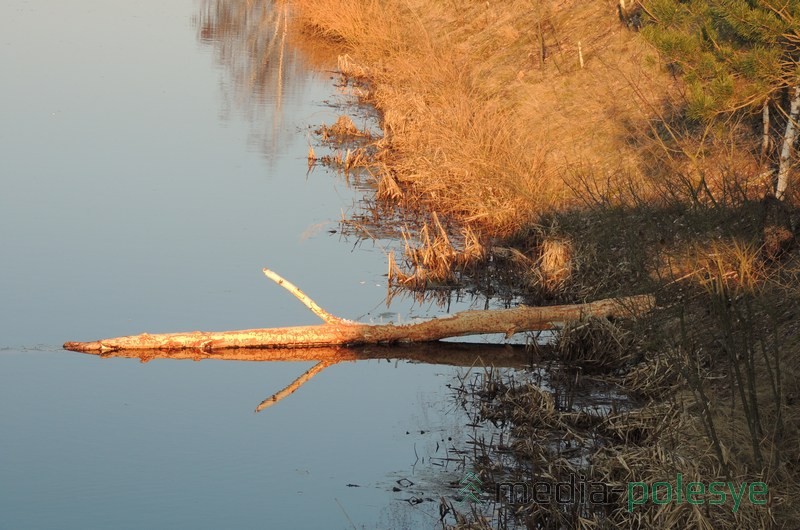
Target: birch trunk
789,136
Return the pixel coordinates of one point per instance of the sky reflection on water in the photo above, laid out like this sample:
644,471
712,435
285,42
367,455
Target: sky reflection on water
129,205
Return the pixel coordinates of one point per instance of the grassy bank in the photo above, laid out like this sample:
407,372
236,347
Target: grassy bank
486,109
712,375
549,137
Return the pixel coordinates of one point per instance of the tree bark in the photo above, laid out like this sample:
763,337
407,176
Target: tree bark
337,331
785,160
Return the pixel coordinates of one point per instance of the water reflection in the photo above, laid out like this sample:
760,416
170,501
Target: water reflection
265,60
268,60
439,353
117,168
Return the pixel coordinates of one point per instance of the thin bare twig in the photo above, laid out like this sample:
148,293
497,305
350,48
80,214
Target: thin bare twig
300,295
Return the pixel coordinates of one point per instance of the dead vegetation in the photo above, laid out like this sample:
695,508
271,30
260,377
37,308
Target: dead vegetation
485,111
595,345
687,418
343,130
627,200
711,378
543,140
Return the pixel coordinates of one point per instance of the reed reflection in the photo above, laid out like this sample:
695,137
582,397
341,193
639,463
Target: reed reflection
267,62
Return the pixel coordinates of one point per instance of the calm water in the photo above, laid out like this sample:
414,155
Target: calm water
148,173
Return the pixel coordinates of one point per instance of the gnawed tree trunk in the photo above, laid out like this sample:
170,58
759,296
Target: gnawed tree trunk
785,159
337,331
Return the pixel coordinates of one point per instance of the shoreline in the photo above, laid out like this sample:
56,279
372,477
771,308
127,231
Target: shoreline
539,149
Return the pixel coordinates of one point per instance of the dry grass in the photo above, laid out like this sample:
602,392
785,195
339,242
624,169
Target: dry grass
342,131
594,345
714,372
731,265
489,120
480,105
546,437
432,256
555,262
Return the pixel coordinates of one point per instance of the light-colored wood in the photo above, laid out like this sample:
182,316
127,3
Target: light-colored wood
300,295
449,353
343,332
340,332
789,136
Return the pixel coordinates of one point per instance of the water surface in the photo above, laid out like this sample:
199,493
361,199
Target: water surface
143,190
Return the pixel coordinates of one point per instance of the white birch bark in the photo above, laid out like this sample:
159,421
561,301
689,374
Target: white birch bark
789,136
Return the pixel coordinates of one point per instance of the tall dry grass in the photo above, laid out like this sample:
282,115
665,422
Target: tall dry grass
484,107
489,119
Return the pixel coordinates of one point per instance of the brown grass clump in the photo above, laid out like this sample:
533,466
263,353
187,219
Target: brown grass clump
343,130
312,157
655,377
433,258
594,345
389,189
354,149
555,262
343,127
545,262
725,265
732,268
350,68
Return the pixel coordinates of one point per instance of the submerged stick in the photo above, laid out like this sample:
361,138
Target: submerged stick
337,331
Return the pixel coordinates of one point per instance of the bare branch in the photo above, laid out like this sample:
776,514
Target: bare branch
300,295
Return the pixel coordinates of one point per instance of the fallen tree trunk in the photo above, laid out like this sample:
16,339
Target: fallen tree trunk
337,331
